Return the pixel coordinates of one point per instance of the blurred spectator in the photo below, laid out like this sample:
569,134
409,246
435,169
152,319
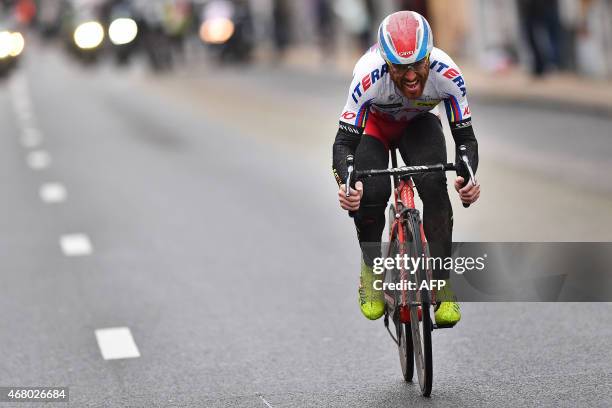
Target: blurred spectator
357,19
367,35
326,32
420,6
282,25
178,21
25,11
540,19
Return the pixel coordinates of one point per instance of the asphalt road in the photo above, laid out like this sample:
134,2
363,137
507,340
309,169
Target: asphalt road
215,239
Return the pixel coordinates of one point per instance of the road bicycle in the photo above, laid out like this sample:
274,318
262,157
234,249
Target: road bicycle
410,308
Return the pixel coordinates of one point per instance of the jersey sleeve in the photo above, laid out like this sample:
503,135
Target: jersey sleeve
366,76
453,90
452,87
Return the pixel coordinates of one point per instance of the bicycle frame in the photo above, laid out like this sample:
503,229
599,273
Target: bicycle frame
403,199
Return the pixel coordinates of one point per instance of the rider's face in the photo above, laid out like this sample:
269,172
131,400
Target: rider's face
410,79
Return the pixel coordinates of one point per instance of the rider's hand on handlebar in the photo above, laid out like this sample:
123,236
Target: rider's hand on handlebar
350,203
468,194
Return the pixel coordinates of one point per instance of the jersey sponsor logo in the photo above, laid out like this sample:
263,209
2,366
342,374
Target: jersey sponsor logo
348,115
388,105
432,104
450,73
367,81
466,111
462,124
337,177
348,128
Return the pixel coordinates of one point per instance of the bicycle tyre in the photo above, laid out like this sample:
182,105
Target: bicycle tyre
420,330
406,351
404,335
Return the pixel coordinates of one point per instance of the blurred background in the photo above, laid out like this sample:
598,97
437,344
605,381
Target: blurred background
166,176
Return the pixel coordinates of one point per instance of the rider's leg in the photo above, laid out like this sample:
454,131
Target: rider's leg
370,221
424,143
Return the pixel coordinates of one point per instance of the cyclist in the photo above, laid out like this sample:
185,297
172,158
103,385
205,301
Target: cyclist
392,101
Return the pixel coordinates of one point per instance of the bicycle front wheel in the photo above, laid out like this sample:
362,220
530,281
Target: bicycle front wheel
420,300
402,330
406,353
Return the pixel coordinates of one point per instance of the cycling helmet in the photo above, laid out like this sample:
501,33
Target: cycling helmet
404,37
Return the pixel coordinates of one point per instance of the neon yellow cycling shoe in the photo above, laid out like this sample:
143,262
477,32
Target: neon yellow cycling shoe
371,301
449,312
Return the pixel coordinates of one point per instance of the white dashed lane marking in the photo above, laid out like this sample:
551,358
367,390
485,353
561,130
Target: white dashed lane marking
38,160
261,397
31,137
76,245
52,193
116,343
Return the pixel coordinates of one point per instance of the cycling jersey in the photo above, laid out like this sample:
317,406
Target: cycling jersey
372,92
376,107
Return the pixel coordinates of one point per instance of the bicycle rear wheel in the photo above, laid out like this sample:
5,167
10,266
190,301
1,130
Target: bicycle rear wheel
420,299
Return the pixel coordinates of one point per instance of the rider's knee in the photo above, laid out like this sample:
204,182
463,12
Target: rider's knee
376,193
433,190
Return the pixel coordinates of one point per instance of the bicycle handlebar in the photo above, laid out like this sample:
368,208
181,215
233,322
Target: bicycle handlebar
404,171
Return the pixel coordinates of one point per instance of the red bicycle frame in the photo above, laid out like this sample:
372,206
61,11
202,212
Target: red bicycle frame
403,198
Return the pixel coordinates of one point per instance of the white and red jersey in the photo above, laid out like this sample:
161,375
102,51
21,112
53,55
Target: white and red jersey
373,92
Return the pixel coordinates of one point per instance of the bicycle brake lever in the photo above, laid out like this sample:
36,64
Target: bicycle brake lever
466,161
350,164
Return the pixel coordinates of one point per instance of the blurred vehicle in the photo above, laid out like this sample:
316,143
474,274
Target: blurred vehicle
123,32
83,33
12,44
227,30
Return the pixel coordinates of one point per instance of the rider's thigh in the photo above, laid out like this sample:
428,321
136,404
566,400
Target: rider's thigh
423,141
372,154
370,218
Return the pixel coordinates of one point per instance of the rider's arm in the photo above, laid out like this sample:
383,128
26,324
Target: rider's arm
347,140
367,75
463,134
451,83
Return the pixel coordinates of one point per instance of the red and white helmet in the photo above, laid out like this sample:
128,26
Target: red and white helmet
404,37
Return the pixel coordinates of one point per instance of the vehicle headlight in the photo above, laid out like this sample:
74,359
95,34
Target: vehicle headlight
216,30
6,44
123,31
17,44
89,35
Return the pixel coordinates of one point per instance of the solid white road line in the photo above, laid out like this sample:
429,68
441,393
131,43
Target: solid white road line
116,343
76,245
52,193
38,159
31,137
